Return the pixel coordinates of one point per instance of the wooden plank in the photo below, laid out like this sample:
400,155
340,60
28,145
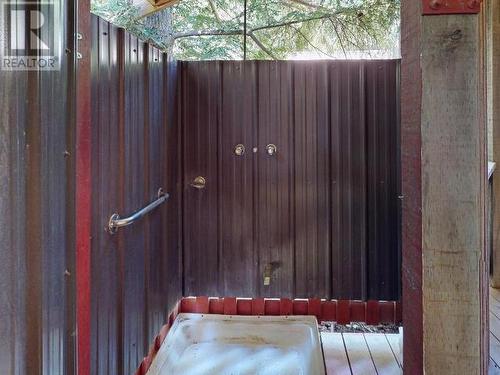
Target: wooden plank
495,325
382,354
453,172
358,354
493,89
495,296
336,361
394,343
494,349
494,306
494,369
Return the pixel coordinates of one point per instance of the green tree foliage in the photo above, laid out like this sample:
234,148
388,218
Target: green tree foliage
275,29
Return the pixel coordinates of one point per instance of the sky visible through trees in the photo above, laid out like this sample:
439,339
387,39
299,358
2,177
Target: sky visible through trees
275,29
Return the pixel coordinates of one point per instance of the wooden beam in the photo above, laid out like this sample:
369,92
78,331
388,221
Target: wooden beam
453,183
493,64
444,183
411,172
148,7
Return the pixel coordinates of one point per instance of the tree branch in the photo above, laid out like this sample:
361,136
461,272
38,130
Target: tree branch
338,37
214,11
251,32
305,3
188,34
294,22
310,43
261,46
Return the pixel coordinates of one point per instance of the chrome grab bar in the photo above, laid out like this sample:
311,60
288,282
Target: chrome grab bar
116,222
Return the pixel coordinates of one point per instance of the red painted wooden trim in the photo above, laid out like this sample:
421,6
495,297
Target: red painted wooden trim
258,306
230,306
202,305
83,190
358,312
387,312
372,312
216,305
158,341
244,306
314,307
286,306
344,311
443,7
329,311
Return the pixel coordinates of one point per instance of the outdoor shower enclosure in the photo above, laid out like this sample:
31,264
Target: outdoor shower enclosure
316,219
283,180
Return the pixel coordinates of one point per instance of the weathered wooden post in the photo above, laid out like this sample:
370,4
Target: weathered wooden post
444,179
493,88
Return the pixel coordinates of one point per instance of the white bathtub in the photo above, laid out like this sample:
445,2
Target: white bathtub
240,345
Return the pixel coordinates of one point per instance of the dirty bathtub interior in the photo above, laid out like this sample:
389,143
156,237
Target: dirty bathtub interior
240,345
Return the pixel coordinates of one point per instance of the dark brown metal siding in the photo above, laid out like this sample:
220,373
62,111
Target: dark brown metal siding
201,231
321,216
238,258
275,231
37,122
135,273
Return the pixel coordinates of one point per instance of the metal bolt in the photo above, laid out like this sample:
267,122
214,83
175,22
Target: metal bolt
472,4
435,4
79,36
79,55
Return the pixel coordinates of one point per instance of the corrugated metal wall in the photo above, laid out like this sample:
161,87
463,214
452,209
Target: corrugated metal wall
37,267
321,217
135,273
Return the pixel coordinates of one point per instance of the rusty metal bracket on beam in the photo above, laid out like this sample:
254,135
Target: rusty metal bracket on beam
437,7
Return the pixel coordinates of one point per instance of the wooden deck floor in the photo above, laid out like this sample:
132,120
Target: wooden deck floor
361,354
494,331
364,354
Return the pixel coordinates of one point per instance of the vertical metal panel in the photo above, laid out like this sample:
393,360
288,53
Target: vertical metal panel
106,198
83,189
383,181
238,261
274,174
133,192
321,216
311,210
157,260
348,168
133,272
172,274
201,88
37,247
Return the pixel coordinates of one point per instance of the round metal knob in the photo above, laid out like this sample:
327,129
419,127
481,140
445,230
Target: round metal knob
199,182
239,150
271,149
